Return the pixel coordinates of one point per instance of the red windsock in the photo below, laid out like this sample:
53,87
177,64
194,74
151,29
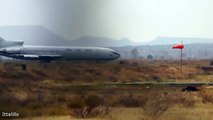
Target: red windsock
178,46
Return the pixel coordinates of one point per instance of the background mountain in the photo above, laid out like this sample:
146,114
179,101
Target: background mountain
175,40
102,42
38,35
32,35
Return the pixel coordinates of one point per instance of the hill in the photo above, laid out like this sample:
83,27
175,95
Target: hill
39,35
175,40
32,35
102,41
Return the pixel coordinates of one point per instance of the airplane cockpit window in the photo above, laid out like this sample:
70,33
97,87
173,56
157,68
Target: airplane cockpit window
115,53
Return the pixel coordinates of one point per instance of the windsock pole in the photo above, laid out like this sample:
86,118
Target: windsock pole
181,60
180,46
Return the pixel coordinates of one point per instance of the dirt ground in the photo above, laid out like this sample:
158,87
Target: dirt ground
106,91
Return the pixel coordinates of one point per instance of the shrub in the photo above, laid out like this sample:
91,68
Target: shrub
34,105
206,97
61,99
149,57
129,102
191,75
112,79
93,101
132,101
86,107
156,78
75,104
124,62
156,106
188,101
211,62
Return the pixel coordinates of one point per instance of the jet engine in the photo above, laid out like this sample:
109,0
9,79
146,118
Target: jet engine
10,51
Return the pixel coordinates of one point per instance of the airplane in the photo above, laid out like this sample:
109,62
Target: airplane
16,50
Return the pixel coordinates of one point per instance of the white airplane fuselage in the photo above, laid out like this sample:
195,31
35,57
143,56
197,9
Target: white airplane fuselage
49,53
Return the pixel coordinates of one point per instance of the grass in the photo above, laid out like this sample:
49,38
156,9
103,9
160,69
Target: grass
143,91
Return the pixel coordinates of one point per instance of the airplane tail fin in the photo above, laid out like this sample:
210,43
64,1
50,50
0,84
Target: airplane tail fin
1,39
4,43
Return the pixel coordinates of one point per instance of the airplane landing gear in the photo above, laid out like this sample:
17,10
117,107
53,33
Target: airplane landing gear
24,67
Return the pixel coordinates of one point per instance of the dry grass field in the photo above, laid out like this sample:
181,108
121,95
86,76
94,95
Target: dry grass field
100,90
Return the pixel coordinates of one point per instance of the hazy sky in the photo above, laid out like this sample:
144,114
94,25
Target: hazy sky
138,20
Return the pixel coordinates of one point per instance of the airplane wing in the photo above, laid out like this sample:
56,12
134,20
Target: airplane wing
36,57
50,56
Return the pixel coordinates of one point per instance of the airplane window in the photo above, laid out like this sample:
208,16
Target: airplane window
68,49
88,50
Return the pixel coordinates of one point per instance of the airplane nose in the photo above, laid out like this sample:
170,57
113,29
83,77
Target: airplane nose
118,55
114,54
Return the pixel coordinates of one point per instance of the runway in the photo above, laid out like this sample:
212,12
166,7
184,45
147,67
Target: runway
150,84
